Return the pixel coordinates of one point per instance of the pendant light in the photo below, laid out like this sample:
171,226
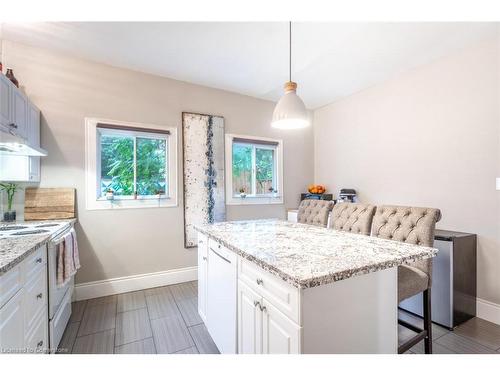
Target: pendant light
290,112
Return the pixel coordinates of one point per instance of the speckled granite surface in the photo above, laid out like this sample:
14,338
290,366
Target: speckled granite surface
14,249
308,256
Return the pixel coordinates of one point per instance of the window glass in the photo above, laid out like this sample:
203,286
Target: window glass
264,170
132,164
117,164
151,166
242,168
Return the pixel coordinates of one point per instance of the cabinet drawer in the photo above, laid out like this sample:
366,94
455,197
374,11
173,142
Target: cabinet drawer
37,337
35,263
35,298
10,283
59,322
282,295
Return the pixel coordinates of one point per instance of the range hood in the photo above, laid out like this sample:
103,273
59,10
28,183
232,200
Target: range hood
13,144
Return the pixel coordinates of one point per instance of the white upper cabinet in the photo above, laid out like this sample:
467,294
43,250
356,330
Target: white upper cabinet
18,113
34,139
5,107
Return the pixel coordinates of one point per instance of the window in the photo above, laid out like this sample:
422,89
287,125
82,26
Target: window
255,166
130,165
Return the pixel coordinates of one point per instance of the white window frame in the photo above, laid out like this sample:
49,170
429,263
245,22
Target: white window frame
92,167
271,198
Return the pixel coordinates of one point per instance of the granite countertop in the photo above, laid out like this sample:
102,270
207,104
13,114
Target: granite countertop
14,249
308,256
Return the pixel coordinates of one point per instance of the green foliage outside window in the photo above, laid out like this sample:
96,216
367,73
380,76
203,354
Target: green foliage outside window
117,165
242,169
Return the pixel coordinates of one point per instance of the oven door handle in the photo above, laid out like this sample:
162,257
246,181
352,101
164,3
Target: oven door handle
60,238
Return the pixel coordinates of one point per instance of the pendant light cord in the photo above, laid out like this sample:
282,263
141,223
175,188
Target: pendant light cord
290,54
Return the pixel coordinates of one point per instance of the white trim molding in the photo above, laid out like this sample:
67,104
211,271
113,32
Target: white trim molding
133,283
92,201
488,310
251,200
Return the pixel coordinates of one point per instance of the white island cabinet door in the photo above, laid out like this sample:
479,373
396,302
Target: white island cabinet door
249,321
202,276
279,334
12,325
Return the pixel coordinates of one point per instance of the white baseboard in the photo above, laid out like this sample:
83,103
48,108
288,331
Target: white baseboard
118,285
488,311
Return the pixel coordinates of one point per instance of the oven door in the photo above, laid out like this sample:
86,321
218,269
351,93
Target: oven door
56,293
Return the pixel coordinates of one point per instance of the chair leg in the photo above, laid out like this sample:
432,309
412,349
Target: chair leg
427,321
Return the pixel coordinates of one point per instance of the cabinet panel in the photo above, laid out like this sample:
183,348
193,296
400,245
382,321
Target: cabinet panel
279,334
5,107
33,135
202,276
35,263
10,283
20,112
35,298
249,321
11,325
222,297
37,338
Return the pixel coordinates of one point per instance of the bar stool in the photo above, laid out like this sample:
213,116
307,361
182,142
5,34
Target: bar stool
414,225
314,212
352,217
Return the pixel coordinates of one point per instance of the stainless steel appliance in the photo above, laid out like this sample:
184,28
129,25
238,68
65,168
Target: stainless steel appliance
347,195
453,292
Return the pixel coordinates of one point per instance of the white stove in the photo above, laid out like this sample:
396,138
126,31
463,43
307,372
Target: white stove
31,228
59,301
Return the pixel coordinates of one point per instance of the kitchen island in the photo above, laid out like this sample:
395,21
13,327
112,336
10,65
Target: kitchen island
272,286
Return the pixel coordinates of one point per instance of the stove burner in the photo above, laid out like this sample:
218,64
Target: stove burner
38,231
12,227
46,225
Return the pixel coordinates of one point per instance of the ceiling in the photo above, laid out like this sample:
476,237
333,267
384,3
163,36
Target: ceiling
330,60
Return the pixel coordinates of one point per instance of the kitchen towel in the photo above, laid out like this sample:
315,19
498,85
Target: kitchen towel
68,259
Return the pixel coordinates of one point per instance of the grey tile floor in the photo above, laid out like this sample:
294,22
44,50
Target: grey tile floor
166,320
159,320
476,336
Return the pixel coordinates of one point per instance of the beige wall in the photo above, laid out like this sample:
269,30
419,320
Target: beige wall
127,242
429,137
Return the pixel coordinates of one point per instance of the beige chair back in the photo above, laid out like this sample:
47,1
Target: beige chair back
414,225
314,212
352,217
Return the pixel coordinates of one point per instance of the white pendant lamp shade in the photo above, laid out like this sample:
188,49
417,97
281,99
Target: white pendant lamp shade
290,112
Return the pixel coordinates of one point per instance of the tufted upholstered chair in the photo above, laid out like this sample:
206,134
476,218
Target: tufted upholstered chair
352,217
314,212
414,225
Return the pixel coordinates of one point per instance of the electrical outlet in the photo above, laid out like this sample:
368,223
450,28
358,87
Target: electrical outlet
498,183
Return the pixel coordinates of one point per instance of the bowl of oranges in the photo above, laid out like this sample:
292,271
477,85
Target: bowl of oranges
316,189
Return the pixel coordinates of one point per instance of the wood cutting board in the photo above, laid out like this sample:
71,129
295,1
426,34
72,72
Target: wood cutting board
49,203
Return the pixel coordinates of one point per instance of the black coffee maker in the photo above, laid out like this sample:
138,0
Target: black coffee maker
347,195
